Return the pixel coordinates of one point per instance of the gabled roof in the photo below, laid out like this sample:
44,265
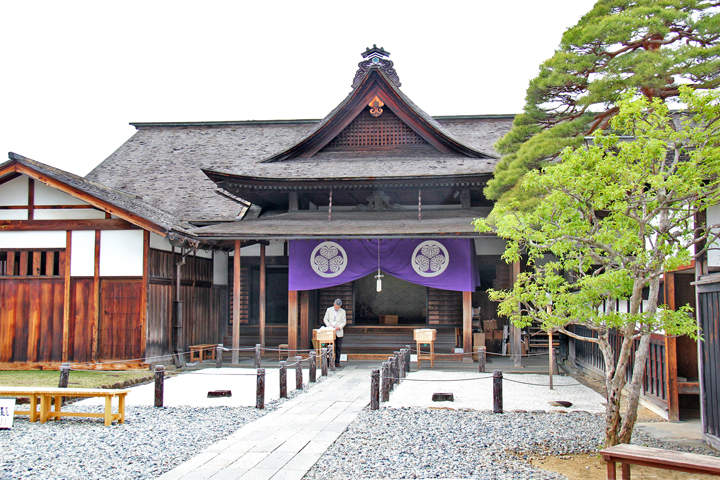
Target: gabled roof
376,80
121,204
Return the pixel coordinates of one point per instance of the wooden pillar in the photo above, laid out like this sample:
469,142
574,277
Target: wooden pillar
673,399
304,319
263,281
467,324
293,203
31,199
144,292
236,305
515,350
96,301
292,322
66,302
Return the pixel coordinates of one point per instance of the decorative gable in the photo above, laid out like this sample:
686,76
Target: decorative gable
370,132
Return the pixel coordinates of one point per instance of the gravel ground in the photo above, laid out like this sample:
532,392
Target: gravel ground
151,442
419,443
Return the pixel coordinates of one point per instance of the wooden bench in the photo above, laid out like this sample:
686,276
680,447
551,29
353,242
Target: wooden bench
658,458
199,352
44,395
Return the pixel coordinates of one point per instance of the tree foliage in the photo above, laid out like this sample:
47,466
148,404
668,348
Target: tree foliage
647,47
612,218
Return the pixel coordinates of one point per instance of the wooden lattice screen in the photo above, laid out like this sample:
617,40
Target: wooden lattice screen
368,132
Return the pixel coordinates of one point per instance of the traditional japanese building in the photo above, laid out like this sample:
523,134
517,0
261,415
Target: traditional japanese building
274,220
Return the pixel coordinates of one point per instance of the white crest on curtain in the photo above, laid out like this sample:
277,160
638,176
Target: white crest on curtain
328,259
430,259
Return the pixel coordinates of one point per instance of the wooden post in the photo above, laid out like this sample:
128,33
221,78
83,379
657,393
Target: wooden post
94,341
391,361
263,282
313,368
283,379
66,302
323,362
304,319
497,391
218,355
64,375
550,357
481,359
159,385
515,350
673,399
298,373
258,352
331,358
236,305
401,361
467,326
144,292
260,389
408,351
375,389
292,322
385,390
31,199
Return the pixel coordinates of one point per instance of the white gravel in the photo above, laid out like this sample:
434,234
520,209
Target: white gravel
190,389
471,394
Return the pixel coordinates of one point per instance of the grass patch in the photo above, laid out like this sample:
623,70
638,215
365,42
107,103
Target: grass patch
78,379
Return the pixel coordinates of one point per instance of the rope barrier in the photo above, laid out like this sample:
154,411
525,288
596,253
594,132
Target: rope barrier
425,352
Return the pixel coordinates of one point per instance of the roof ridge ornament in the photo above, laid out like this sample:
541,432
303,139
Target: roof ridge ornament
376,58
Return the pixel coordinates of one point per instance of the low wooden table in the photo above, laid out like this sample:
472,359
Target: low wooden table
425,336
44,395
628,455
199,351
323,336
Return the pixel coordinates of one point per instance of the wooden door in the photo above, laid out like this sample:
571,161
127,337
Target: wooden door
120,319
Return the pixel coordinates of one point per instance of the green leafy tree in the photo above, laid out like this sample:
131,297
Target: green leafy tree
647,47
612,218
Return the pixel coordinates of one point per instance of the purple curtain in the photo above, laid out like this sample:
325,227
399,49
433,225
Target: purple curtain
448,264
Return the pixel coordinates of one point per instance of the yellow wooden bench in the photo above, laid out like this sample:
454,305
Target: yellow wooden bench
44,395
658,458
198,351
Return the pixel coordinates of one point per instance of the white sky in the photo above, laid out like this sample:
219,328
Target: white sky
74,74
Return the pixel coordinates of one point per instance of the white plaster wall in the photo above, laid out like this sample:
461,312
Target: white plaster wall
220,268
713,218
45,195
13,214
275,249
160,243
79,214
121,253
14,192
204,254
82,256
39,239
489,246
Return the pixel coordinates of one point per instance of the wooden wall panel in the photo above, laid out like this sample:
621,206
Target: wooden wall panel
159,328
445,307
31,320
81,315
120,320
326,297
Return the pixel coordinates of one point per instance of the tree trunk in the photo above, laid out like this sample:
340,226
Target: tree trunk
628,423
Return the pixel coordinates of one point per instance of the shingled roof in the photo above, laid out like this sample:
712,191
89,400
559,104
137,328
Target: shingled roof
123,201
163,162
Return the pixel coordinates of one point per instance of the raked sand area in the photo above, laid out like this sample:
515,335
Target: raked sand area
325,432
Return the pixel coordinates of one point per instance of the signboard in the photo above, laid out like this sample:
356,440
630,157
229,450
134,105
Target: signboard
7,410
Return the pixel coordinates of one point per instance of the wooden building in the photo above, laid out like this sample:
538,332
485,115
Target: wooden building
226,201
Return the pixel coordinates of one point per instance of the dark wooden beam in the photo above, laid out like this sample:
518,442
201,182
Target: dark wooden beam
263,291
88,224
292,322
673,399
96,300
304,319
31,199
48,207
236,305
144,292
467,323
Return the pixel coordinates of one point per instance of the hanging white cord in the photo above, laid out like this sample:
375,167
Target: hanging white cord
378,276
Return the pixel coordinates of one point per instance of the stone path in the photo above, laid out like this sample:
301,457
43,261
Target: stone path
286,443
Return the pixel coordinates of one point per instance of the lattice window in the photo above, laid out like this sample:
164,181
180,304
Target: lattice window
31,263
369,132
